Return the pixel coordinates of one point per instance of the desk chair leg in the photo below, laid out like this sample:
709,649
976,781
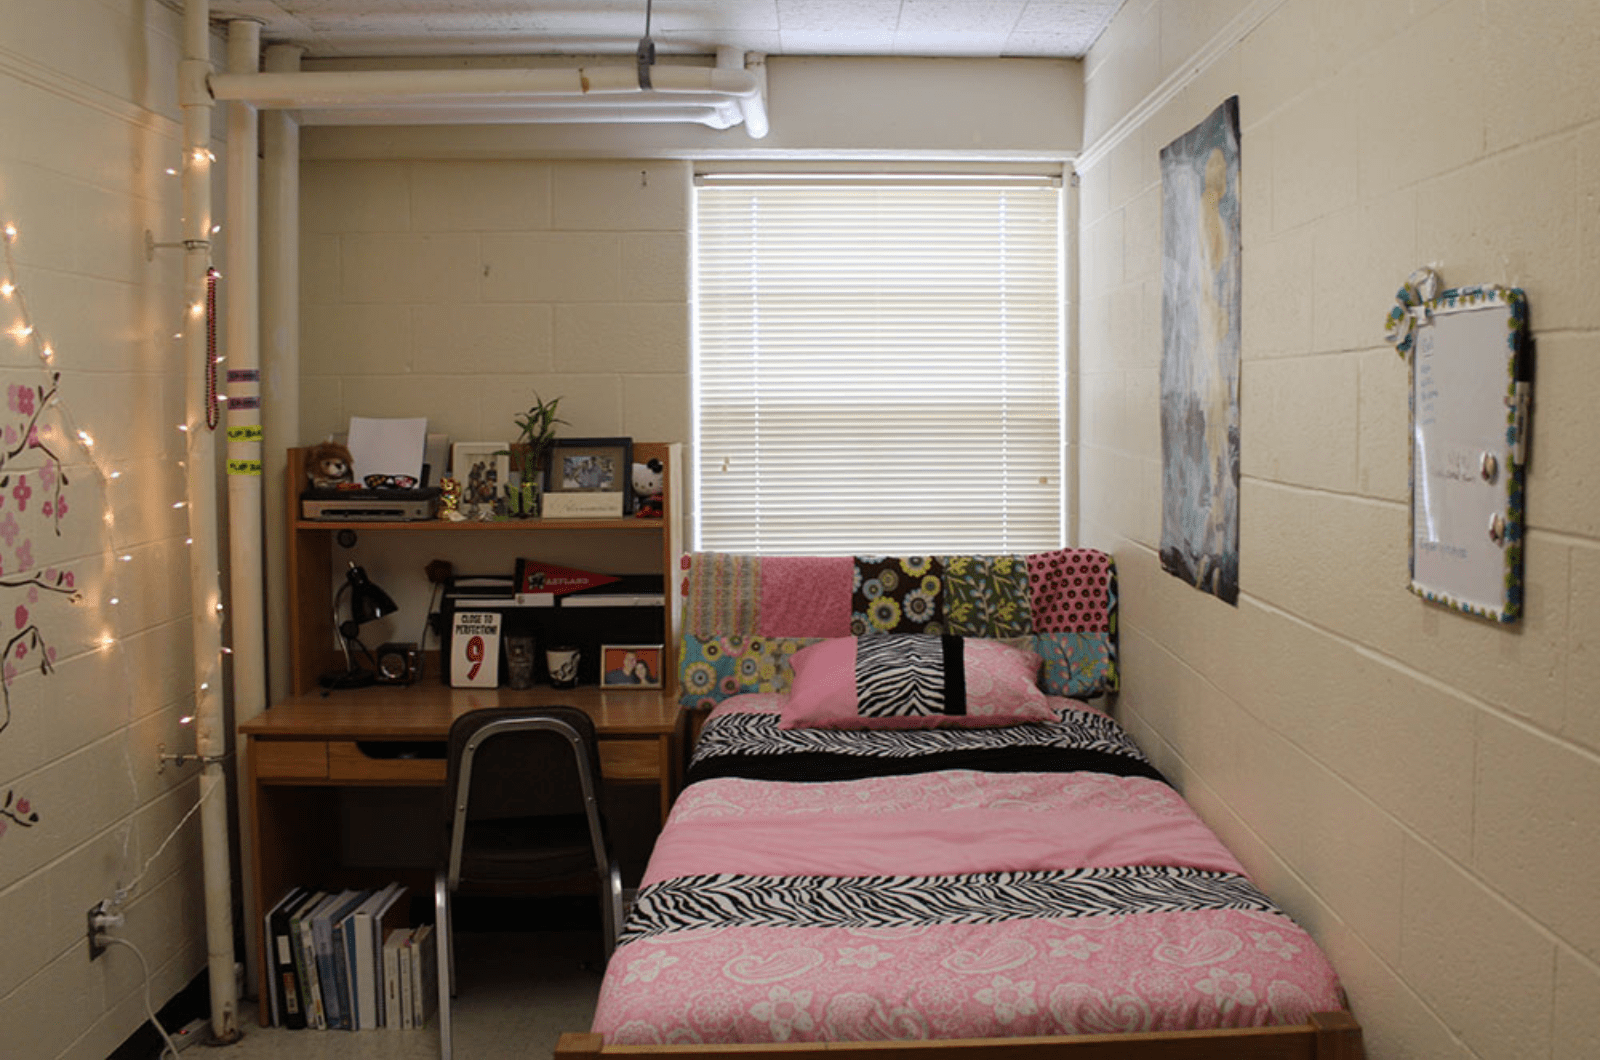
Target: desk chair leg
611,909
446,960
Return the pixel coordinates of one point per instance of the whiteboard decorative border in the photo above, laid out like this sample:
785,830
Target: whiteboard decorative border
1497,345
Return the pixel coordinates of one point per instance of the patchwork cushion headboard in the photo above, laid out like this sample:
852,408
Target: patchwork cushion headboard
745,615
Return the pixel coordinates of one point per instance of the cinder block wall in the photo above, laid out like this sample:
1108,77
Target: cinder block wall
89,132
456,289
1422,790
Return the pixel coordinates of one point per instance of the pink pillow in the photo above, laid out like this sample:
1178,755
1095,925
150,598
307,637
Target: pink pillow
913,681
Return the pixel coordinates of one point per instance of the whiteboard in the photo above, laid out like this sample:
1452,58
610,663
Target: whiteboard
1470,385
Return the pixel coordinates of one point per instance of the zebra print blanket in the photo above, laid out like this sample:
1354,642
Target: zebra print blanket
751,745
939,893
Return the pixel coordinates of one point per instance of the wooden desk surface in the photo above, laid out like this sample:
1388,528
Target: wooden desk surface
424,711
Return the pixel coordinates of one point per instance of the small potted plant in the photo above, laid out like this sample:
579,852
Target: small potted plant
537,429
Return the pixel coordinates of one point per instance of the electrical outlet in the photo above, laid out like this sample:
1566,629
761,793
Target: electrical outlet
96,948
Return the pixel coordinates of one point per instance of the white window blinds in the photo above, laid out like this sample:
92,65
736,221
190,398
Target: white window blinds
879,366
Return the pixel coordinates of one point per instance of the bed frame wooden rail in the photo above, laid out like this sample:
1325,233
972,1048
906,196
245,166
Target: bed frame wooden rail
1328,1036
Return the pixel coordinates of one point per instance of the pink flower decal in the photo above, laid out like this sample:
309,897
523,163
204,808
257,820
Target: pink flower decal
22,651
24,806
21,616
21,492
9,528
25,555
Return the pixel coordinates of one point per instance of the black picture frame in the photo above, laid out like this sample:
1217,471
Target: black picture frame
591,465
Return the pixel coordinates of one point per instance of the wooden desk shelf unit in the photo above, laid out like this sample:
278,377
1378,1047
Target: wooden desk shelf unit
310,747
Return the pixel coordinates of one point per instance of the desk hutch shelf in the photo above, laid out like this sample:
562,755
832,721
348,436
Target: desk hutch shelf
312,640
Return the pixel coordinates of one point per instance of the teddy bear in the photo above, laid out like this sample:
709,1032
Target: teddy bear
328,466
647,487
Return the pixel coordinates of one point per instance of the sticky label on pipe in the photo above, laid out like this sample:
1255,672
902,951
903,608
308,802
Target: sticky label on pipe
250,432
251,402
244,467
244,375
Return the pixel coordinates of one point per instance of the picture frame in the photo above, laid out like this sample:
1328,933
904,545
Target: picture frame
588,477
631,666
482,469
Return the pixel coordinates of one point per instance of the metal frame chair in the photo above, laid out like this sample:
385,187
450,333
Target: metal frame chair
533,817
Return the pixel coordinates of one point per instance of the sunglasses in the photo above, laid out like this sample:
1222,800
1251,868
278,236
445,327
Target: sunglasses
390,482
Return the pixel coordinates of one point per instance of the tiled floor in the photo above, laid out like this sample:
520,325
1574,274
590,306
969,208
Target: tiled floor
517,993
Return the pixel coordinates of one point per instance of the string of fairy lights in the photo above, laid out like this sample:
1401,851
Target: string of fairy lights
31,642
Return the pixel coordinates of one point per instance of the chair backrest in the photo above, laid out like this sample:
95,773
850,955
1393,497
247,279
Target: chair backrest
745,615
520,762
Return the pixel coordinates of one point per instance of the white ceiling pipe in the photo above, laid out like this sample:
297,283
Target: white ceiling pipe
596,86
511,115
752,105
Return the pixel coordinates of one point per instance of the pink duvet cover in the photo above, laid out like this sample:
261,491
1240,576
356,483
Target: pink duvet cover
966,894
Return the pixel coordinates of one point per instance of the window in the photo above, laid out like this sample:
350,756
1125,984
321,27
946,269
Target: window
878,365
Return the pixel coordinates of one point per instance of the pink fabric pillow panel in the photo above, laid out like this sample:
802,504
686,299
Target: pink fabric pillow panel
914,681
805,596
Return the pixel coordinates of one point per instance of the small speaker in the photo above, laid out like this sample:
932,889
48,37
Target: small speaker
398,664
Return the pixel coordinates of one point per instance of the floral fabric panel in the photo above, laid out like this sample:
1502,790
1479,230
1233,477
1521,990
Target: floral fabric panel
897,595
1076,664
987,596
713,668
1070,590
722,591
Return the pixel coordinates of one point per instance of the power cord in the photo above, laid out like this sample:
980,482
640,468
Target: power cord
125,891
149,1009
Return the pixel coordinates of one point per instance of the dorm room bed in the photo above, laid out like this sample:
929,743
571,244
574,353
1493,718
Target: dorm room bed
902,825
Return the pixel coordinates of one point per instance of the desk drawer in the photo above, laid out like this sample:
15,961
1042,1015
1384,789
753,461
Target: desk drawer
347,762
630,759
290,759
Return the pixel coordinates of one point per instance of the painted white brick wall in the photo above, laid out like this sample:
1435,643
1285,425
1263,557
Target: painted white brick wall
1421,790
88,127
455,290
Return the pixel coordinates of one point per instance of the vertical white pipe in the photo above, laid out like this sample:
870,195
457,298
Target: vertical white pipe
280,348
205,587
279,231
245,607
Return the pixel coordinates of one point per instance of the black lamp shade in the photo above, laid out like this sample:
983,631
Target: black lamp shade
367,601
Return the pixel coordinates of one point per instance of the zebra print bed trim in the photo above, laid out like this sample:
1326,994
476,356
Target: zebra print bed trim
726,900
819,767
758,734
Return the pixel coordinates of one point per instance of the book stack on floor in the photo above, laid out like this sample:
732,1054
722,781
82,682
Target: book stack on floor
349,960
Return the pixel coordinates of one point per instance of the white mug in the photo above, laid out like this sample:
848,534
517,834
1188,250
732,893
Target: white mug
562,662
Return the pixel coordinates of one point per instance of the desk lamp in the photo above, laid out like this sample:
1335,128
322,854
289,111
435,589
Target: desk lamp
367,602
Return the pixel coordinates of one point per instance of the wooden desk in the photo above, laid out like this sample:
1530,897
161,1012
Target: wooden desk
303,751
